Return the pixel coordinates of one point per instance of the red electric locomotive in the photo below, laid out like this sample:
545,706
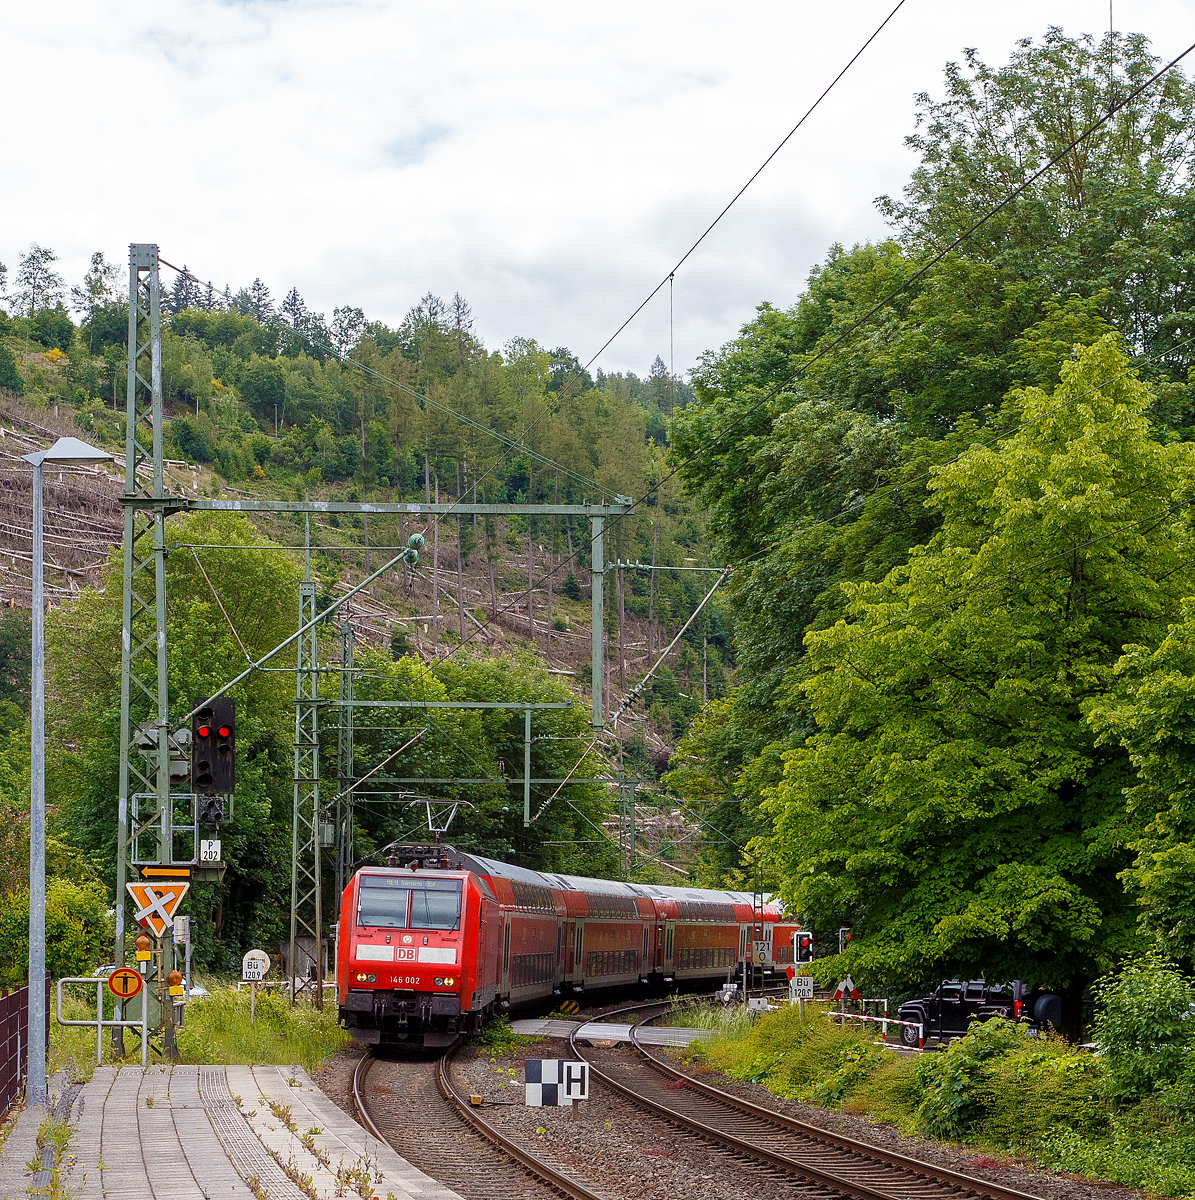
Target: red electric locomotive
432,948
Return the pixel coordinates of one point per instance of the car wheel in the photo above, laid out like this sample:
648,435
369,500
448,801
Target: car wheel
908,1035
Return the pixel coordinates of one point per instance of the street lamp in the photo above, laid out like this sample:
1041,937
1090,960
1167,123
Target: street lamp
66,452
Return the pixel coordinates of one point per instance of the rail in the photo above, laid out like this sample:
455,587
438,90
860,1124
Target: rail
533,1165
856,1188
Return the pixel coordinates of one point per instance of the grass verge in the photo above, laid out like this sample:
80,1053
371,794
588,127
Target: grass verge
217,1030
998,1090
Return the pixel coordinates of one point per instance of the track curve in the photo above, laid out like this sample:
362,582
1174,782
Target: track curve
832,1161
427,1133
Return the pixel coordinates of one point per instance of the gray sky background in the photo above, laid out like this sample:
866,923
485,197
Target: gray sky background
549,161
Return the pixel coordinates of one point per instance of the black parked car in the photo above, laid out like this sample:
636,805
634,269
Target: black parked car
956,1003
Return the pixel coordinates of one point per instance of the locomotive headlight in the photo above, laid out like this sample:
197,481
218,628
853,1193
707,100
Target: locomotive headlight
366,978
446,981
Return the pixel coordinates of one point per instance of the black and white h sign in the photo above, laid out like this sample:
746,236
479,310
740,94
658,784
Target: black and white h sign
575,1080
551,1083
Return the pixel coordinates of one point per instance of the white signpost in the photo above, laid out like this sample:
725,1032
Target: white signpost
800,989
209,850
182,937
254,968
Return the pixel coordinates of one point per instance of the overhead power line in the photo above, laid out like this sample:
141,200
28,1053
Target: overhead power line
778,387
669,277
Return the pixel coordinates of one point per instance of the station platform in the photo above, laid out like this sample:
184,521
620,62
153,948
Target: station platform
608,1031
210,1133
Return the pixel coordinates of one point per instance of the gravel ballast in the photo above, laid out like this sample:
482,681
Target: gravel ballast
619,1150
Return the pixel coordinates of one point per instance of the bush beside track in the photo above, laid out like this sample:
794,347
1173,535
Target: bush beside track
1122,1114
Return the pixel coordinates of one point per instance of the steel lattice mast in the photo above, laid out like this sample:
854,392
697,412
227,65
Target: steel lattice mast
146,816
306,884
143,679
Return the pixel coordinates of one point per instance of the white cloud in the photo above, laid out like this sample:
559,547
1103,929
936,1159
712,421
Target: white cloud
551,162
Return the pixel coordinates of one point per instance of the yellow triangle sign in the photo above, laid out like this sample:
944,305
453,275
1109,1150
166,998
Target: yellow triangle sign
156,903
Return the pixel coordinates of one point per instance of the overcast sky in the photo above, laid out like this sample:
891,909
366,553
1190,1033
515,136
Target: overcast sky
549,161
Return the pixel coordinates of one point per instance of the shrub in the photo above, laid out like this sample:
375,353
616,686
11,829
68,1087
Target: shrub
1004,1084
78,930
217,1030
499,1038
955,1083
1145,1028
795,1058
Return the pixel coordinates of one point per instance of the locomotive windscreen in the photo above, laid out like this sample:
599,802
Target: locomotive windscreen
398,902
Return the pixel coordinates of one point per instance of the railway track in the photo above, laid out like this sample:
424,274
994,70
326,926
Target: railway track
418,1110
814,1156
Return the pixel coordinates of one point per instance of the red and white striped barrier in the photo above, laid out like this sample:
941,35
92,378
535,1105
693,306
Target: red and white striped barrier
884,1021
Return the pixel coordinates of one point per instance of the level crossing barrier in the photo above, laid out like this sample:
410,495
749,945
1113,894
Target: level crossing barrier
884,1021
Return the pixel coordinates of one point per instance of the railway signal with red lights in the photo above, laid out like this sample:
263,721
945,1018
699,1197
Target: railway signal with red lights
213,754
802,947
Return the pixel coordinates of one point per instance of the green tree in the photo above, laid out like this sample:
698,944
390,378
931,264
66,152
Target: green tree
1114,218
258,591
10,377
1151,714
16,656
52,327
263,388
953,800
39,285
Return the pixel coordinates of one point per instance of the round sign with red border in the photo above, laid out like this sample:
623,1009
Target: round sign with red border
124,983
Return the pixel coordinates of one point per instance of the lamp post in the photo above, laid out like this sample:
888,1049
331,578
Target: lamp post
65,452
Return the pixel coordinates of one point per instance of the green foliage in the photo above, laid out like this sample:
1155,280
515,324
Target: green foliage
217,1030
997,1087
10,378
52,328
1145,1029
497,1037
815,1059
106,325
15,656
955,1082
815,470
78,930
1112,219
257,590
1141,1152
953,797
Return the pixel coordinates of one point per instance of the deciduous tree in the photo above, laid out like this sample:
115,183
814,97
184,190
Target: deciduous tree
954,800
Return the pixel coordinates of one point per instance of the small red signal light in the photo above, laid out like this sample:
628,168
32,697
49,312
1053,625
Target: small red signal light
224,731
204,731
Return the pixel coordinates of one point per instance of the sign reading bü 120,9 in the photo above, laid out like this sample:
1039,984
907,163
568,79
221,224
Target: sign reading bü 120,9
551,1082
255,966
